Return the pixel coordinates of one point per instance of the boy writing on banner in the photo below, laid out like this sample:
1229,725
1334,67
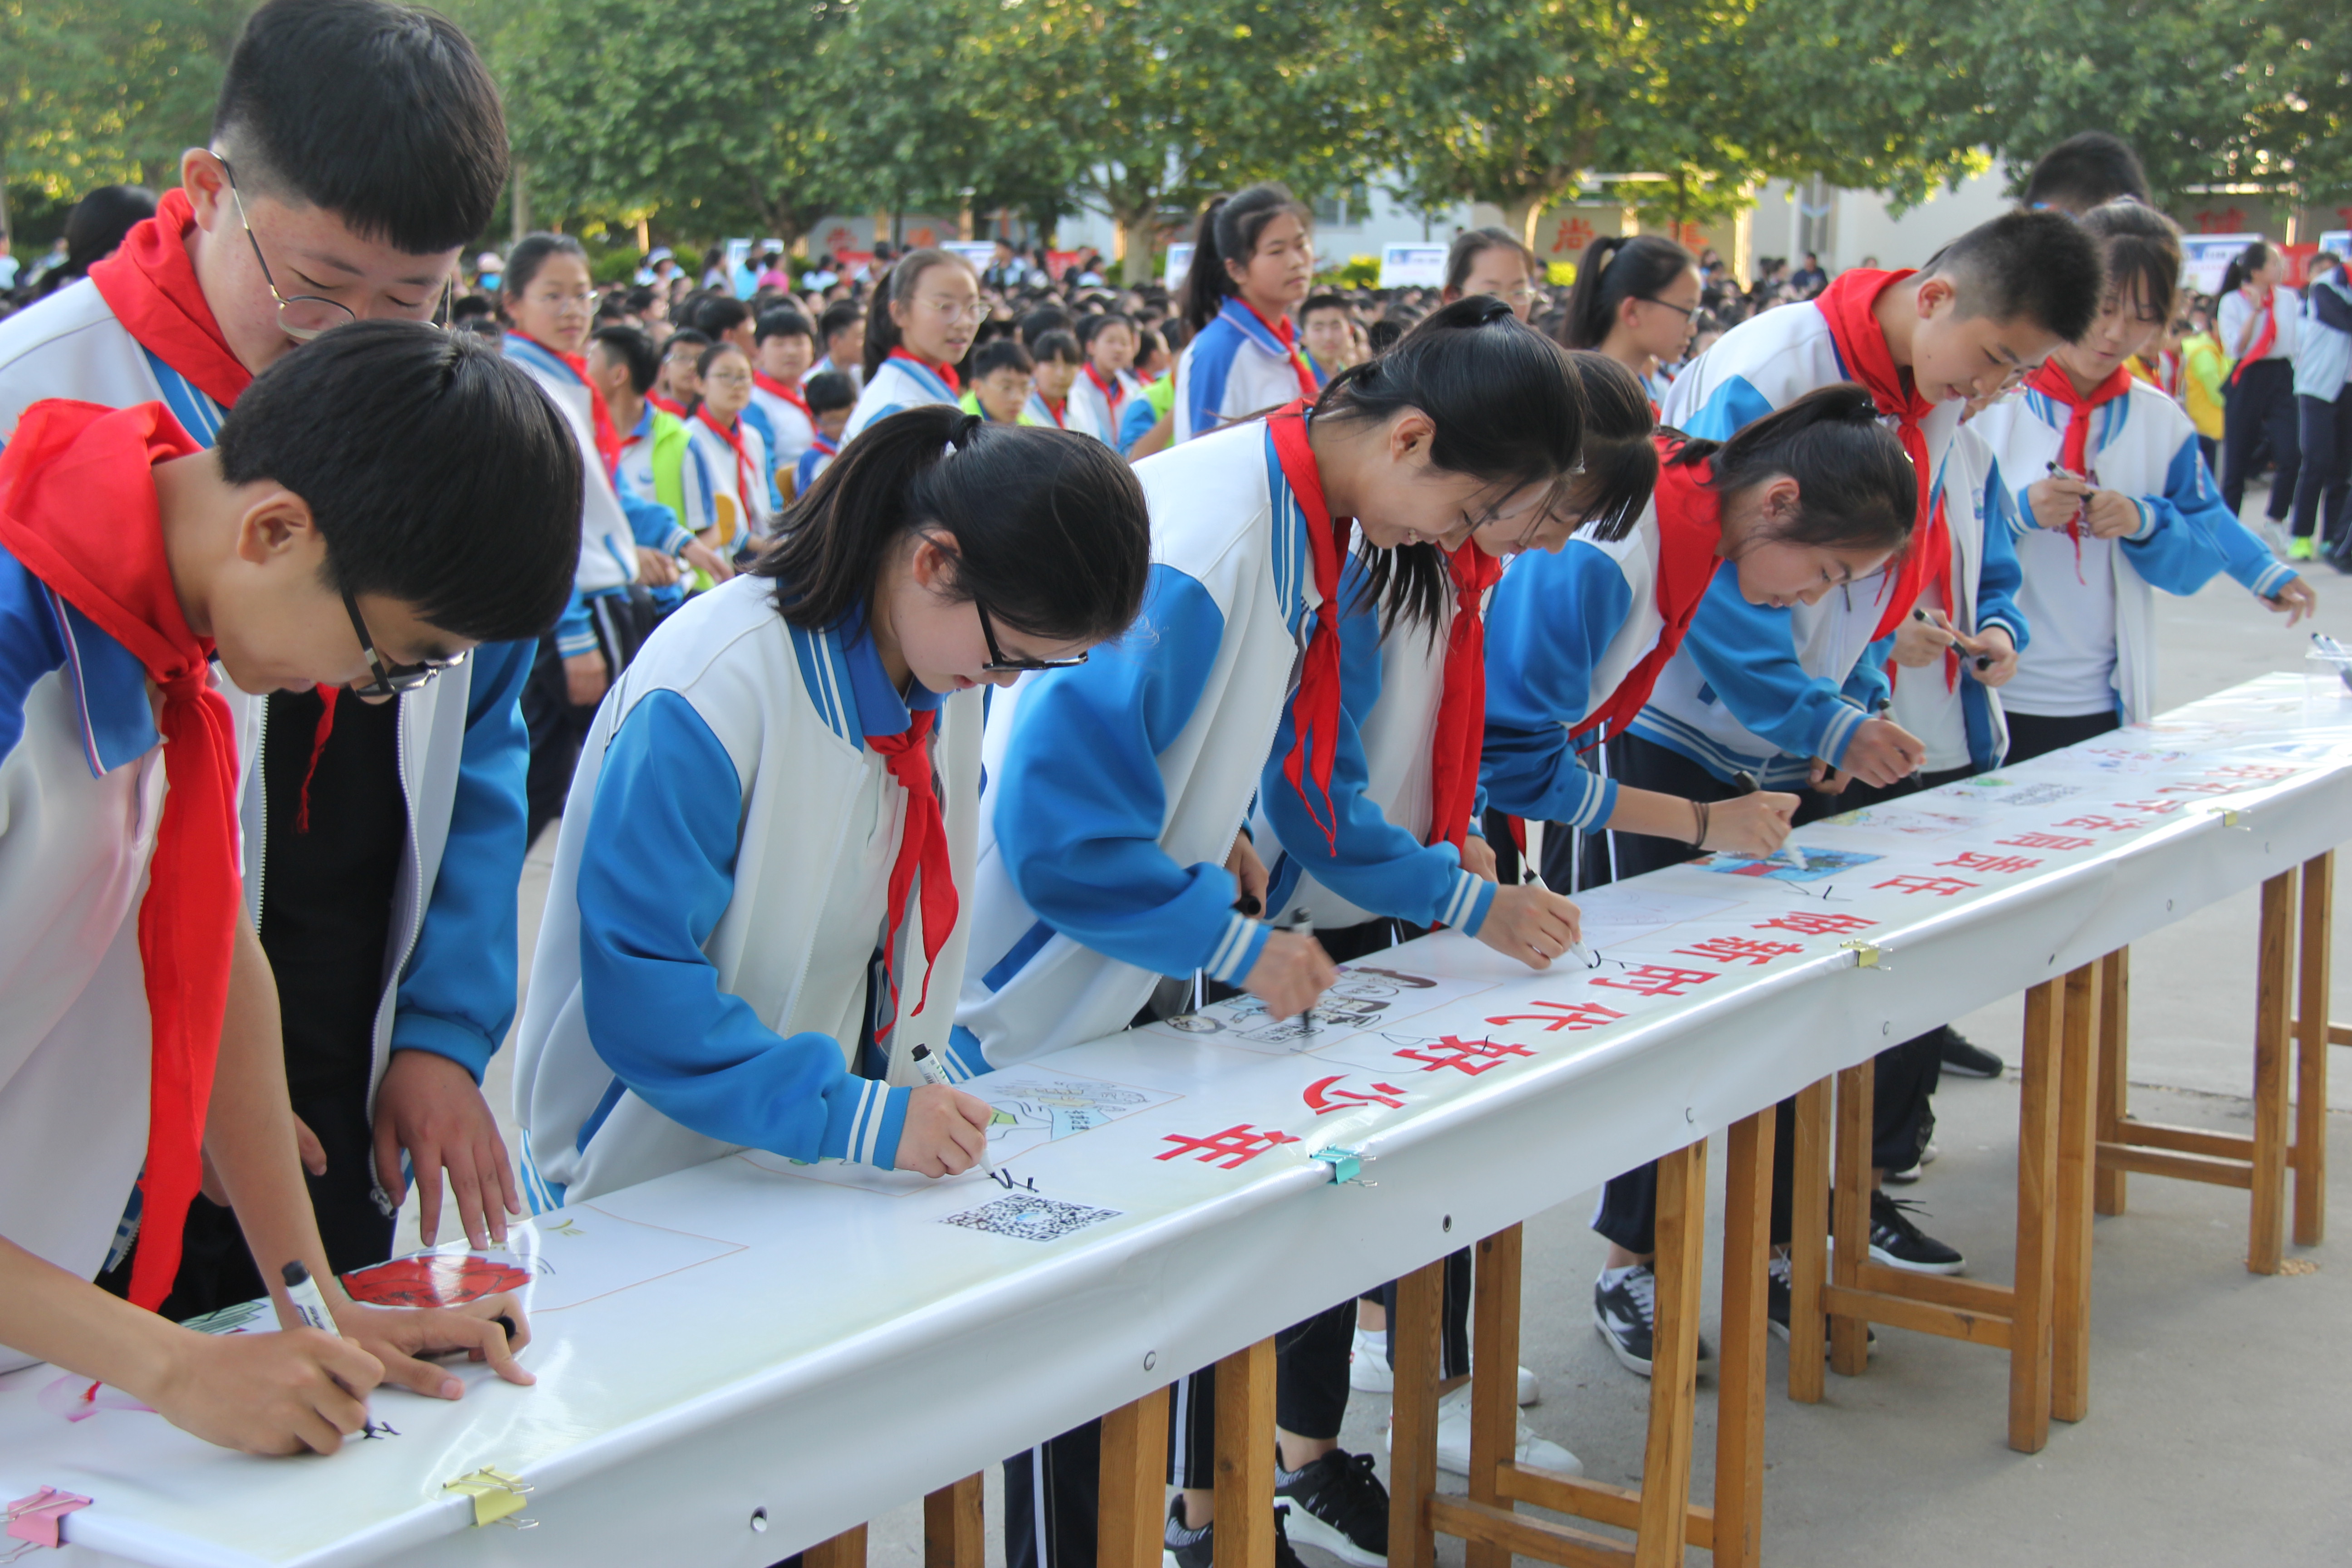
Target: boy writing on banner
138,1021
392,831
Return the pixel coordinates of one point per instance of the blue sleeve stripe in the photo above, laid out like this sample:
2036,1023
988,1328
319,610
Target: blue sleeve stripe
1463,900
865,1122
1235,951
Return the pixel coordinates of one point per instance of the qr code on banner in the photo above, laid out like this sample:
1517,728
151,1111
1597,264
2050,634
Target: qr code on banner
1030,1218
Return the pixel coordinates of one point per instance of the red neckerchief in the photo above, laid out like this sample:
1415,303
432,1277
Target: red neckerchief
1846,303
78,510
1286,334
922,846
826,444
785,390
1114,392
2264,339
1054,411
1690,528
946,372
608,437
1314,710
745,474
150,284
668,405
2074,446
1462,707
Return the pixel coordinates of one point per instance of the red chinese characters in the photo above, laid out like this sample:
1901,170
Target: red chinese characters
1655,979
1740,949
1805,922
1573,1016
1471,1056
1322,1098
1942,886
2044,841
1234,1147
1977,860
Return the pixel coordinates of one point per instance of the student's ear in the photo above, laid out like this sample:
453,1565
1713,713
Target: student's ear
208,186
1934,295
277,524
1410,435
932,564
1782,500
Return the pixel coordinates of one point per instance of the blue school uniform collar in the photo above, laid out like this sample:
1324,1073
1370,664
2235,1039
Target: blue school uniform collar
1246,321
1293,557
881,711
540,357
645,425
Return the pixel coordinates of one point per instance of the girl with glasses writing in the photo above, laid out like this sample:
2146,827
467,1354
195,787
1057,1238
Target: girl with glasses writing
759,903
927,312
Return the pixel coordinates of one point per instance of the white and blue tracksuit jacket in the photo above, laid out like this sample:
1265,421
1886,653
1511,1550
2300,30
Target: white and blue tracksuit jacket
449,984
609,526
2142,445
1754,689
1116,789
1563,631
1962,725
1233,367
896,384
700,984
1376,865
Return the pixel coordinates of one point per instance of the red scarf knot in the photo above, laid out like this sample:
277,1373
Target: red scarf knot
785,390
946,372
78,510
745,474
2265,337
1286,334
922,846
2074,446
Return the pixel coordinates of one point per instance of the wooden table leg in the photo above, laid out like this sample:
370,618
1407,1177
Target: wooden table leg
1809,1242
2037,1232
2070,1346
1413,1329
1245,1486
1739,1376
1674,1358
2317,962
1850,1214
2114,1072
1131,1491
846,1550
2266,1233
1494,1382
954,1535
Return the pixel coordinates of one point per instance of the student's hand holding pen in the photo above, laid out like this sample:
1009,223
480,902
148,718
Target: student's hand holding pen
1532,924
1882,752
945,1131
1291,973
1248,870
1753,825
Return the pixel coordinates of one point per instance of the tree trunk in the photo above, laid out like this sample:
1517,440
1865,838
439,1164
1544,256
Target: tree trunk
521,204
1139,234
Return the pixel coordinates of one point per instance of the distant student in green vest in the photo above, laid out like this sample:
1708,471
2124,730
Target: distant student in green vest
1002,379
656,463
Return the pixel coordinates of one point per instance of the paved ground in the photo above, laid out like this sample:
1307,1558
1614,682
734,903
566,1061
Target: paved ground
2220,1420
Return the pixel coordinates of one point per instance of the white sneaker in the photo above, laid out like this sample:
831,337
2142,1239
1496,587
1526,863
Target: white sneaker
1454,1442
1369,1371
1368,1362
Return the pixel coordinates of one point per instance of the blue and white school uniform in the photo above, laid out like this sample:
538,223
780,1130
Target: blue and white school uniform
1564,630
635,473
1962,725
81,794
1754,689
1116,789
1101,411
788,429
608,545
1376,866
719,889
755,506
1233,368
2093,615
900,381
1075,417
448,987
812,463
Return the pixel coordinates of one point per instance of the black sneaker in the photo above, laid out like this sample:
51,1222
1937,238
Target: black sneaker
1625,1314
1965,1056
1778,1304
1336,1503
1182,1548
1896,1242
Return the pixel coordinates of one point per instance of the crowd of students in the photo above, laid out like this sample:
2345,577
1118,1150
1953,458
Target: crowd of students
812,614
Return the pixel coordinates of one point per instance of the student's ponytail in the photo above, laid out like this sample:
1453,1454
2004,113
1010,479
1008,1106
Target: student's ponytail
1621,456
896,287
1049,527
1855,487
2244,265
1617,268
1506,410
1228,231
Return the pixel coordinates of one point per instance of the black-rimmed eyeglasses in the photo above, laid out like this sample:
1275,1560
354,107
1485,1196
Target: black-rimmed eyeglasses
392,679
999,664
306,316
